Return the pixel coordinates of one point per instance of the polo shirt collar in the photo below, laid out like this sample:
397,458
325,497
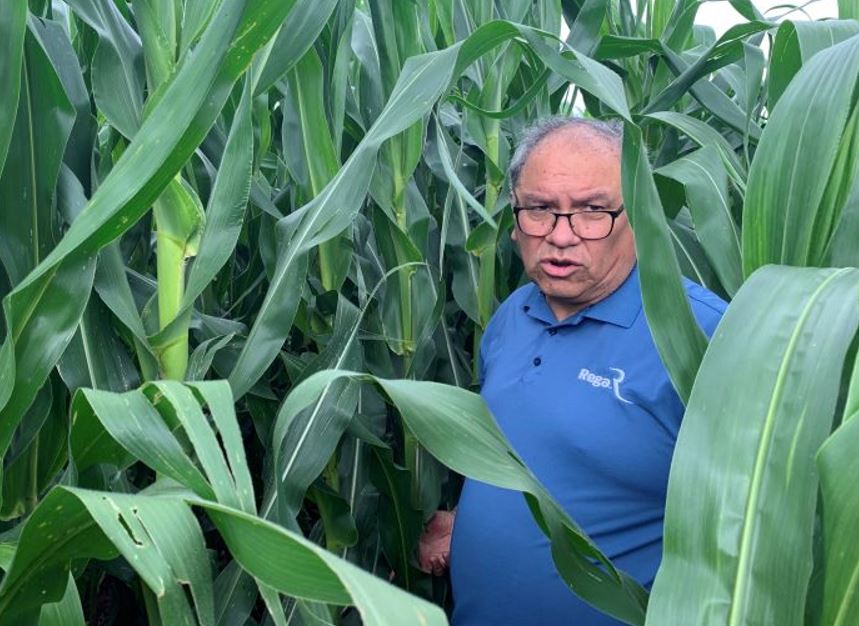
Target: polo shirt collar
620,308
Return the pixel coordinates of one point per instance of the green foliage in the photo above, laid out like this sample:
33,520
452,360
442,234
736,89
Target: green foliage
329,234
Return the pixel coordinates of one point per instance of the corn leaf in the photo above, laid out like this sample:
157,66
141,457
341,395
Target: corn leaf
679,339
13,22
795,43
803,169
706,183
744,464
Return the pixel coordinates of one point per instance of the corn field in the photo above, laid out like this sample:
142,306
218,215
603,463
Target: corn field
249,248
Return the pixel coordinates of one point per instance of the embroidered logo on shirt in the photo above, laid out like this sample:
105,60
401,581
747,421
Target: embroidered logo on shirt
596,380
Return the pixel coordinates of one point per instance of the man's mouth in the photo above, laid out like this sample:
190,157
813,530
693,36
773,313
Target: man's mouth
558,268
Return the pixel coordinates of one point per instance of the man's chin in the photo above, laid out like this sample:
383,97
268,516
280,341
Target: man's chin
560,292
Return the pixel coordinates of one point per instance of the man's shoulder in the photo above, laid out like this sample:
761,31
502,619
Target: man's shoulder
706,305
517,299
512,304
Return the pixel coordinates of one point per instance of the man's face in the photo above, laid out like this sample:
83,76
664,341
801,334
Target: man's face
574,170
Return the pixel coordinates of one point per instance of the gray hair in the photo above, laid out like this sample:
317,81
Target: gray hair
611,131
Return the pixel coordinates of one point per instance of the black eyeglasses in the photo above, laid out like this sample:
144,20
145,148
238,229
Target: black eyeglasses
591,225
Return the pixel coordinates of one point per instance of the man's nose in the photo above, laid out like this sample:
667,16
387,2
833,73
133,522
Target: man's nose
563,234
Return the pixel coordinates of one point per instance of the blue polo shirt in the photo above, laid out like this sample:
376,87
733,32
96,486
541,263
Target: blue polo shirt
587,403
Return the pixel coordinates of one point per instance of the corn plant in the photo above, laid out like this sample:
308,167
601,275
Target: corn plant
249,248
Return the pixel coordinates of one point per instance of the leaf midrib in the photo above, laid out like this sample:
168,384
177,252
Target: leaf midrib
736,614
34,215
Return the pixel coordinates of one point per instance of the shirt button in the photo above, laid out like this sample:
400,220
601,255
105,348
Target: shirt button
537,361
553,331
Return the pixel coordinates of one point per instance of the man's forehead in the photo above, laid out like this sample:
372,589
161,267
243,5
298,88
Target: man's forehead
584,196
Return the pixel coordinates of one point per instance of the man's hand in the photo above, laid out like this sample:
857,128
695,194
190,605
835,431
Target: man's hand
434,545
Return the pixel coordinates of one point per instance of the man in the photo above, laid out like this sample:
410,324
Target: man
569,369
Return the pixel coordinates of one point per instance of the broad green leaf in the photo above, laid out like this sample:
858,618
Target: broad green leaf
195,19
235,595
679,27
692,78
146,423
847,10
159,537
39,570
662,11
78,152
705,135
303,441
34,349
7,372
401,523
455,426
335,513
112,286
743,468
838,465
24,477
314,154
620,47
795,43
453,178
585,30
747,9
304,570
207,450
690,254
216,397
67,612
308,98
42,126
803,170
842,252
13,25
104,421
28,184
706,183
679,339
159,31
204,354
102,430
117,79
306,20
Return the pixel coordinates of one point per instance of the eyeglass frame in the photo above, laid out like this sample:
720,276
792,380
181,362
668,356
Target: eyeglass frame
613,213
